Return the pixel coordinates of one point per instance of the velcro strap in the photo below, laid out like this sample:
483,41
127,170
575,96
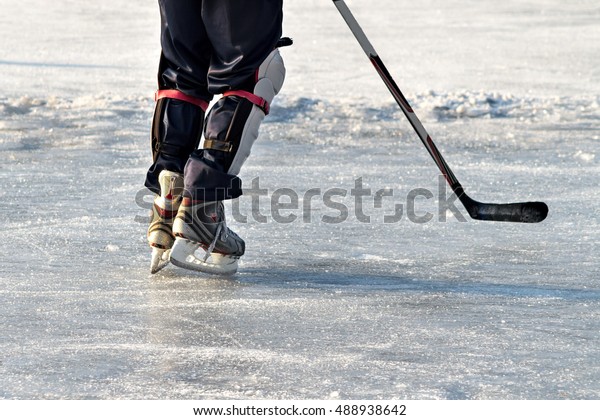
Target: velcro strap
256,100
176,94
222,146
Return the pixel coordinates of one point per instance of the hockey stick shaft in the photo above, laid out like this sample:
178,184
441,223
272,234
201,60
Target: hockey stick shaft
385,75
530,212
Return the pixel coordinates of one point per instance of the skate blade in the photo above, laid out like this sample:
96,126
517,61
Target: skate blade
160,259
183,255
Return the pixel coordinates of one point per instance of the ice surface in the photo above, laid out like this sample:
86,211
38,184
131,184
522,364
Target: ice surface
444,309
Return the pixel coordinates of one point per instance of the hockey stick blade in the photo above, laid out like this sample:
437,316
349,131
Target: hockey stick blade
529,212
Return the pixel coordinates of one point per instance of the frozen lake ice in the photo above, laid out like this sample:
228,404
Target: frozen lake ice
355,310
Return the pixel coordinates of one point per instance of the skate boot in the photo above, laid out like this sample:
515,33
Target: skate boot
164,210
202,225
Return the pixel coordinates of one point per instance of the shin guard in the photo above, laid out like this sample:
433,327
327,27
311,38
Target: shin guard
176,126
176,132
233,123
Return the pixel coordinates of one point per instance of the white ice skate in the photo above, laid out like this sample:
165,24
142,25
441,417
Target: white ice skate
164,210
203,240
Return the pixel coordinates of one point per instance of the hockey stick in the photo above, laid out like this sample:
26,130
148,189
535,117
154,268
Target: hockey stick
530,212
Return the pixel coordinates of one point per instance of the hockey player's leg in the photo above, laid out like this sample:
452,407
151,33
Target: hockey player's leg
211,174
178,121
171,149
270,77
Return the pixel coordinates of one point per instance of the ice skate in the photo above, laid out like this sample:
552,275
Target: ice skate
203,240
160,234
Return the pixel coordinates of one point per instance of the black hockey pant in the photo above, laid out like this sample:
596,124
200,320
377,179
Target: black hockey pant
209,47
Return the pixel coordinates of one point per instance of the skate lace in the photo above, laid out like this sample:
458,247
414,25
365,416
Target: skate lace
211,248
221,229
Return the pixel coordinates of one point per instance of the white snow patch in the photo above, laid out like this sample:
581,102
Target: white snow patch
584,156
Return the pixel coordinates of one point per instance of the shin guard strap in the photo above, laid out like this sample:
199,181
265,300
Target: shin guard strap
256,100
222,146
175,94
